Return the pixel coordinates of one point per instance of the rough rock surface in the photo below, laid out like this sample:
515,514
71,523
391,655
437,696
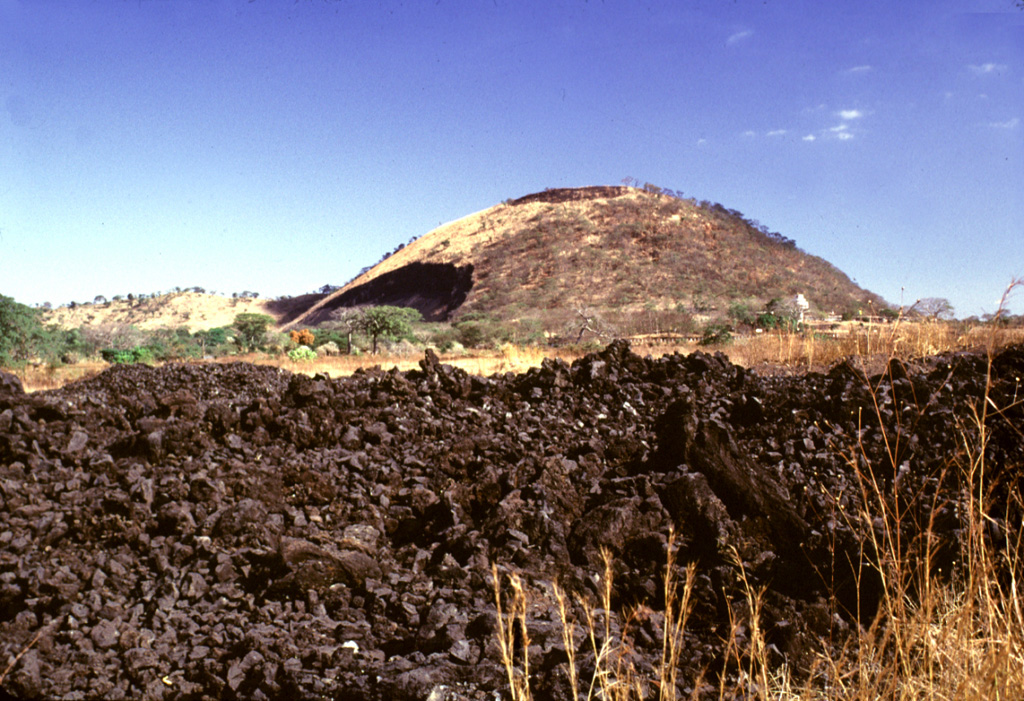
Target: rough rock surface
238,532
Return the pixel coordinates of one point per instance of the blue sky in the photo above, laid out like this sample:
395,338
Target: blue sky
280,145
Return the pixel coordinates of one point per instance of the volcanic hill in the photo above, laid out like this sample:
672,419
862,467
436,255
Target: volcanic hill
640,260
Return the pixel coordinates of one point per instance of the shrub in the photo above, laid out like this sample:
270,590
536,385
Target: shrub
302,354
716,335
340,338
129,356
213,341
472,334
477,330
740,313
275,343
304,337
444,338
772,321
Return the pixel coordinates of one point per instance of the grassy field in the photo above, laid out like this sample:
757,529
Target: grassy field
867,342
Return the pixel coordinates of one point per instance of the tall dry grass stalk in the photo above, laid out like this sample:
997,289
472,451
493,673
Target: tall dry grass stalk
938,635
510,621
747,645
613,673
677,613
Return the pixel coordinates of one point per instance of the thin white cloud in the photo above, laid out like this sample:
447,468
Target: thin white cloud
839,131
859,69
850,114
749,133
986,68
776,132
1008,124
739,36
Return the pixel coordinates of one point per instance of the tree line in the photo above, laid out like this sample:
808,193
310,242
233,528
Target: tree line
24,338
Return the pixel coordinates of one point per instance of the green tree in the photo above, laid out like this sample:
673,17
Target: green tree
211,341
252,328
741,314
386,322
20,331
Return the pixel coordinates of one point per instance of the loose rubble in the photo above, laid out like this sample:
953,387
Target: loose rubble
239,532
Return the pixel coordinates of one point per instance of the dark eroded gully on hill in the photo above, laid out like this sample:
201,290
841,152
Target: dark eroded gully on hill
234,531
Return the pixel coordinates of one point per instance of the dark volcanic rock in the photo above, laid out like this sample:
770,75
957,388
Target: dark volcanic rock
234,531
10,385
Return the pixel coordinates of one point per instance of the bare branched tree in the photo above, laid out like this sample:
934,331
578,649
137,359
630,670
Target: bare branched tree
934,308
346,319
588,320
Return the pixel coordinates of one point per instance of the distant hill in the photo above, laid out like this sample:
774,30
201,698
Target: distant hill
192,310
640,260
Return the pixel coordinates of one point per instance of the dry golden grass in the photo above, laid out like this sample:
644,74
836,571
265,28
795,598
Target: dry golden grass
35,378
869,342
191,310
517,359
872,343
614,676
509,358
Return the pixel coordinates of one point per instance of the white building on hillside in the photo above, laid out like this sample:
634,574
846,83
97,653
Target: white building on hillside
802,305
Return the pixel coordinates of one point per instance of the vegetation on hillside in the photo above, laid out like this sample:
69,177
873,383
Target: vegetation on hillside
649,264
629,260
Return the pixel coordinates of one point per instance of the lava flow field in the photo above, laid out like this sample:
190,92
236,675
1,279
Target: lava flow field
240,532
